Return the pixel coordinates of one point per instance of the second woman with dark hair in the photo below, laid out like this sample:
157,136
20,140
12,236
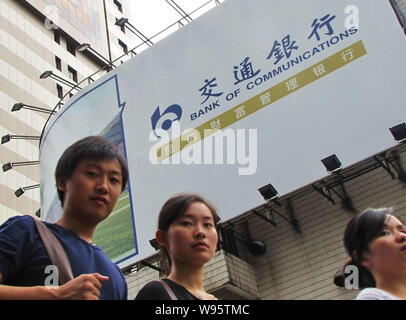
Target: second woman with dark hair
187,236
376,242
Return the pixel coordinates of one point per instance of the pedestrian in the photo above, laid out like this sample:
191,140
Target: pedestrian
90,176
375,239
187,237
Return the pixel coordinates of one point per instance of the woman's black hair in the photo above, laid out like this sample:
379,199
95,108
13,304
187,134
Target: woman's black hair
173,209
361,230
90,148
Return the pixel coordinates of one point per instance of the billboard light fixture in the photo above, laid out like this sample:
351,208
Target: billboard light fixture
19,105
20,191
123,22
268,192
6,138
83,47
332,163
86,46
399,132
52,75
9,165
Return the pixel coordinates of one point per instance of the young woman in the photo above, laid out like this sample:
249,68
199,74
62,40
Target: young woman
187,236
376,242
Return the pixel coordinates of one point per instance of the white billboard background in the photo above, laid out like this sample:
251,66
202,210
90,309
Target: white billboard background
346,112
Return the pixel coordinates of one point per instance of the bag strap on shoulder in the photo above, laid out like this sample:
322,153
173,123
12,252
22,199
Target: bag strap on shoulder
169,290
56,252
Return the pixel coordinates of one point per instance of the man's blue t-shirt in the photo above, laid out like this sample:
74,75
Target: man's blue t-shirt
23,257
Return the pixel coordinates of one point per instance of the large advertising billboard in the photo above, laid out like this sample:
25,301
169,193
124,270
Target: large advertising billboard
251,93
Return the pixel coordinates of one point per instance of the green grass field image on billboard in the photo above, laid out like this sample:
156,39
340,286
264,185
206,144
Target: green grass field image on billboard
115,235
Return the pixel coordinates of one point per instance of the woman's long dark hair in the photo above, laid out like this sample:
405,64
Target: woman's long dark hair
173,209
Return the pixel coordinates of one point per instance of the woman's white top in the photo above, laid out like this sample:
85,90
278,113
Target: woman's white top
375,294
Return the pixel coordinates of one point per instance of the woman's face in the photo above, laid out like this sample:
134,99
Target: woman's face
387,253
192,238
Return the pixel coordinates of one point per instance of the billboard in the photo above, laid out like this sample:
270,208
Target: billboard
251,93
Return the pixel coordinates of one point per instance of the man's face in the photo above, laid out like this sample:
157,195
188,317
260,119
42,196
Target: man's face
92,190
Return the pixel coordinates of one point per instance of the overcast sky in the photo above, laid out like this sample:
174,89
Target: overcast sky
152,16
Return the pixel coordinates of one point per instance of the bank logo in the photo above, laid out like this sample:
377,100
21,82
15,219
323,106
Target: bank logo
164,121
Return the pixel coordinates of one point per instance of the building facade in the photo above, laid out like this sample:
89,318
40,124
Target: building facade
39,36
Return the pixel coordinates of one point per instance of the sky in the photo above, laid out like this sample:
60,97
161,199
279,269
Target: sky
152,16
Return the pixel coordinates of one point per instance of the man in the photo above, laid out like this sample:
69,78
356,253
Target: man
90,176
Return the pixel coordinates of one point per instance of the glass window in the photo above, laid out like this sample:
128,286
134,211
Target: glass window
71,48
58,63
57,36
118,5
73,74
59,90
123,46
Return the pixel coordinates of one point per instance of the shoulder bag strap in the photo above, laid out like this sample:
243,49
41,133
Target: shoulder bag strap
55,251
169,290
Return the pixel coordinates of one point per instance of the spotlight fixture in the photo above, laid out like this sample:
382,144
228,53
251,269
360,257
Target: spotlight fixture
52,75
8,166
399,131
332,163
86,46
268,192
18,106
83,47
20,191
154,244
8,137
123,22
46,74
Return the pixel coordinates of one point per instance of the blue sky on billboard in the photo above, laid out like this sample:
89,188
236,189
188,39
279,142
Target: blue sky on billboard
153,16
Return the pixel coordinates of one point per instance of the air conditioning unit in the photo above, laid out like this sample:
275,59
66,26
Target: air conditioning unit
230,278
